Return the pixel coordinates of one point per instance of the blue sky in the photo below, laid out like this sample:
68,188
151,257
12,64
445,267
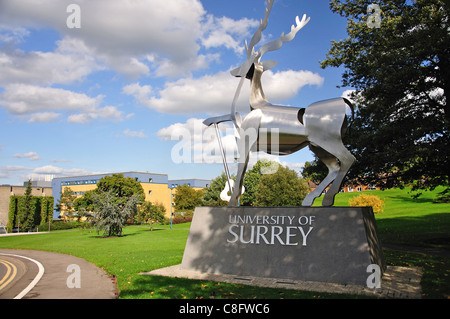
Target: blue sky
117,93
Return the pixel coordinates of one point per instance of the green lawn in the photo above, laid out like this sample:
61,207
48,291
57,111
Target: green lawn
414,222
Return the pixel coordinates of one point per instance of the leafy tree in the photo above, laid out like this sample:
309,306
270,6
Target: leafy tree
401,75
149,212
86,202
121,187
211,194
283,188
186,198
111,214
65,203
252,177
315,171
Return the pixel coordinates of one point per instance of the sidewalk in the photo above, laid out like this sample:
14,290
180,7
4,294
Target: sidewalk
397,282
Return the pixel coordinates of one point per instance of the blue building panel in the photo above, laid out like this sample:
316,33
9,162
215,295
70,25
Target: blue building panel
201,183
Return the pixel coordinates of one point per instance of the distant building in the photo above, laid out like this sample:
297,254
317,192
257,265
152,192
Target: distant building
194,183
157,187
6,191
347,188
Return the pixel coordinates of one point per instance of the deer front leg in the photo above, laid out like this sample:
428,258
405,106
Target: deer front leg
237,190
248,138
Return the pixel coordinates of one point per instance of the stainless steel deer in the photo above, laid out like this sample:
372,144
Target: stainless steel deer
320,126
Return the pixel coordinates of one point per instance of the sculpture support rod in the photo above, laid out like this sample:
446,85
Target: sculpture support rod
222,152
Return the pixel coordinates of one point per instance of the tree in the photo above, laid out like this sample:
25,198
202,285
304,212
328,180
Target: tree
401,75
86,202
315,171
211,194
283,188
186,198
252,177
28,210
121,187
149,212
111,204
65,205
111,214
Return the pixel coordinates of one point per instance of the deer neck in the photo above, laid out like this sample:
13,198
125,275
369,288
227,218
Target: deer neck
257,97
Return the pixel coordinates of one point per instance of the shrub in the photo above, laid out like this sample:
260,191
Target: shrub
364,200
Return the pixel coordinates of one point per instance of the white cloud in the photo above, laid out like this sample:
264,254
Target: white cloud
12,34
43,117
58,171
32,156
122,35
227,32
130,133
42,104
23,99
72,61
121,32
8,171
283,85
213,94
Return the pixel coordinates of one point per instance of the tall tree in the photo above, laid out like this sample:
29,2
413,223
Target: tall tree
399,67
28,213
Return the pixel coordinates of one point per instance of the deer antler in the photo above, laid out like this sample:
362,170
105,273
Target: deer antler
262,26
278,43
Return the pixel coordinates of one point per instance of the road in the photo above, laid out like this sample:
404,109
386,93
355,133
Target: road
31,274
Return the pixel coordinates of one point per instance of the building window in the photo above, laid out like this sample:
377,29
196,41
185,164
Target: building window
350,189
150,180
150,192
359,189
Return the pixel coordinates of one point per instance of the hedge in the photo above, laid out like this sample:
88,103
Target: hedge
43,211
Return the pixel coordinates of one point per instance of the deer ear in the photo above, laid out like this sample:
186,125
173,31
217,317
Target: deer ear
236,72
267,65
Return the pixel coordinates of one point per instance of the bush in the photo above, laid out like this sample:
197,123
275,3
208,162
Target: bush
364,200
62,225
178,218
443,197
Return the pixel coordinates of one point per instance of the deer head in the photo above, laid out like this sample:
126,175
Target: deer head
255,56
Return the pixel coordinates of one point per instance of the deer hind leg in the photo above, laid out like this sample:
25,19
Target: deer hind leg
346,160
333,169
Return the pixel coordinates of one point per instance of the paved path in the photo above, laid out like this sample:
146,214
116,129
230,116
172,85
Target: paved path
59,277
397,282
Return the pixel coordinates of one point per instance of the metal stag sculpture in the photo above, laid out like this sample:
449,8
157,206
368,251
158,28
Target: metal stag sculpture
320,126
